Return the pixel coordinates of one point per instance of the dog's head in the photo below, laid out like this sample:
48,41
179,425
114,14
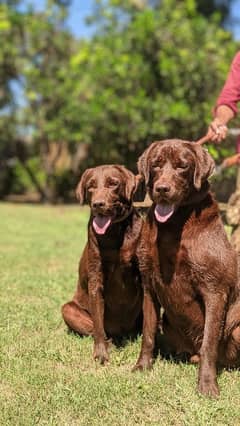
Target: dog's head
173,170
109,191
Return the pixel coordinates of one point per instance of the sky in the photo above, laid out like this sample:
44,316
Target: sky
235,14
80,9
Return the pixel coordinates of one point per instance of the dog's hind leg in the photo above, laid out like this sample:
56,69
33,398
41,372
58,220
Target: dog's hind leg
230,353
77,319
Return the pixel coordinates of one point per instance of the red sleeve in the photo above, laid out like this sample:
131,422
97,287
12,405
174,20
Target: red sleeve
230,94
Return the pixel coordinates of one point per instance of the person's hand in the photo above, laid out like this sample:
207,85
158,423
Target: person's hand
231,161
217,131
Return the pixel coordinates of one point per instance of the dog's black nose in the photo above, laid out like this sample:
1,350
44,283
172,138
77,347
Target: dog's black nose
162,189
98,204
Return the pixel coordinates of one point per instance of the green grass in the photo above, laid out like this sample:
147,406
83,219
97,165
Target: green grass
48,377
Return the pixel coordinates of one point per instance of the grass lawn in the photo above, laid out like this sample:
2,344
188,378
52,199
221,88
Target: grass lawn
48,376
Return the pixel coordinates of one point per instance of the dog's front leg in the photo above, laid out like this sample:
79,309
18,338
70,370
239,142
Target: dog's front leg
151,312
214,317
96,305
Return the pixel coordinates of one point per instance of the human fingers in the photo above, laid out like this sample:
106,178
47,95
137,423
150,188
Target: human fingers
211,133
221,132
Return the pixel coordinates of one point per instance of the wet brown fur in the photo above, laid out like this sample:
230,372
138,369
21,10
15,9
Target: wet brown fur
108,299
187,264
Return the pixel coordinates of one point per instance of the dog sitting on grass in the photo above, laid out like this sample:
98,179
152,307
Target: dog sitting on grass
108,299
187,263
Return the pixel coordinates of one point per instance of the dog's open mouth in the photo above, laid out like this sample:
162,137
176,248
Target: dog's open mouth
163,212
101,223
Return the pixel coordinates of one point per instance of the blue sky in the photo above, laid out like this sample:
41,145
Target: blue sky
235,14
78,13
80,9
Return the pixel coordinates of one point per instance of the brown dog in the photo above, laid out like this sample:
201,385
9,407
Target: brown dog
108,299
187,264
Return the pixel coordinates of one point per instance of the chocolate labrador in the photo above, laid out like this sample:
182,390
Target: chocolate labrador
187,263
108,299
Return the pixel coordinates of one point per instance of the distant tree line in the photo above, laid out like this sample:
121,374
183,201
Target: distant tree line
152,70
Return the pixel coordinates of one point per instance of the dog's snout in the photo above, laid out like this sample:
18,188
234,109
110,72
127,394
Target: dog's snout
99,204
162,188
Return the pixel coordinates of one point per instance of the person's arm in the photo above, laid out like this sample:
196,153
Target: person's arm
217,130
234,160
226,105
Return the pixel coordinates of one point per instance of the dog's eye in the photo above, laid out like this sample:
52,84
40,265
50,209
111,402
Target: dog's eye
183,166
113,183
90,186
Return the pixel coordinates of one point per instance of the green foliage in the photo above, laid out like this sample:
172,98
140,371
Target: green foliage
37,47
153,70
21,181
11,36
154,74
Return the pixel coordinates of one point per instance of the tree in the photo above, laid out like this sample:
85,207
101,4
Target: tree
152,71
11,32
47,49
149,73
209,7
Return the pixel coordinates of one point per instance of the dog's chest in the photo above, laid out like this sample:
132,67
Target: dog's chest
173,272
121,283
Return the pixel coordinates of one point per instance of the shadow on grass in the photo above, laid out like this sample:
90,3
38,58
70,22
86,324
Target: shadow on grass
164,351
118,341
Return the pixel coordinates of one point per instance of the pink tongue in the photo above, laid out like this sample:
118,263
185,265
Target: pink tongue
163,212
101,224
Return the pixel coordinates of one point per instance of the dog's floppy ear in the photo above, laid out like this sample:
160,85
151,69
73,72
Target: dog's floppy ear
204,166
81,188
132,185
132,181
140,193
143,163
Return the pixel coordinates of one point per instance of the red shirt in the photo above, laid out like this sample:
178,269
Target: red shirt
230,94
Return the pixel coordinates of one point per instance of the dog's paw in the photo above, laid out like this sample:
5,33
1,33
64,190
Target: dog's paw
100,353
208,387
144,363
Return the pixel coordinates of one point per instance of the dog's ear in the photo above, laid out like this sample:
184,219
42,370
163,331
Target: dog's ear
132,182
143,163
132,185
140,192
81,188
204,166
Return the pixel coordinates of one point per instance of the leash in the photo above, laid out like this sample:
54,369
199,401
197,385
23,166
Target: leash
202,140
